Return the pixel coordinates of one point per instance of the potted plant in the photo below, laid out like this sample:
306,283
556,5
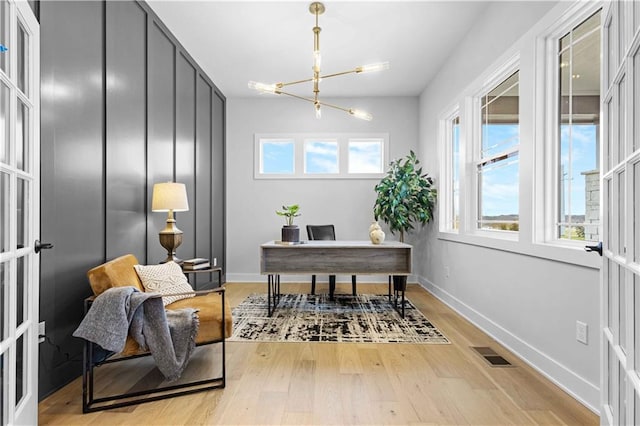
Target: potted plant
405,196
290,232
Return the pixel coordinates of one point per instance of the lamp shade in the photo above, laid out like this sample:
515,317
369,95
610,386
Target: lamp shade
169,196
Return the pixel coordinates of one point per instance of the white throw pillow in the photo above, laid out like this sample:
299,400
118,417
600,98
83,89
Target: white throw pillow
166,278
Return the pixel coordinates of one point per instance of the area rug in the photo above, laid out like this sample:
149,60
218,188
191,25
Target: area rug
314,318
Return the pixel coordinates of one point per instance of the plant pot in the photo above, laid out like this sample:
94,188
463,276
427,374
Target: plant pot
290,233
399,282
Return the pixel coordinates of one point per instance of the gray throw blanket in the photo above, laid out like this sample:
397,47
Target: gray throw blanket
169,335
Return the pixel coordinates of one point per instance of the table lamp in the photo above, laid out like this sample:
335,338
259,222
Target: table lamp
170,197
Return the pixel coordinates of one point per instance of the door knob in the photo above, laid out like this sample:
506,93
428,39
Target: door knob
37,246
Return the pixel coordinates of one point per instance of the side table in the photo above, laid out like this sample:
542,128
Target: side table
216,269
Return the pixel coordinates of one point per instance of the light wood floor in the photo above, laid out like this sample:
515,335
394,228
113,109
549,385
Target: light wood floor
347,383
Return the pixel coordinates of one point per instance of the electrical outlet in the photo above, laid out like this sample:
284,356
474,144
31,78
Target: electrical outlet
41,331
581,332
446,271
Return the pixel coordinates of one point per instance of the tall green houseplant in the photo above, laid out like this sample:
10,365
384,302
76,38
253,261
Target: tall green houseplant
405,196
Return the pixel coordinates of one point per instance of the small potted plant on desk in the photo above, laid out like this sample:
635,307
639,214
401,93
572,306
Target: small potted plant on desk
290,232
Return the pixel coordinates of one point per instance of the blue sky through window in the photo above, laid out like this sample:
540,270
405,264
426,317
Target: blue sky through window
580,141
365,156
277,157
499,180
320,157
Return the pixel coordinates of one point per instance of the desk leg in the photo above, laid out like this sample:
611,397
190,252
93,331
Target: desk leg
399,287
219,277
332,286
273,293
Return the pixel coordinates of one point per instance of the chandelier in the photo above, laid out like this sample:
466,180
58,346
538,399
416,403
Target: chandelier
317,9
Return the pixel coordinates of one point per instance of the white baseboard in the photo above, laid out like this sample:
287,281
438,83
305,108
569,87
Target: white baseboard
582,390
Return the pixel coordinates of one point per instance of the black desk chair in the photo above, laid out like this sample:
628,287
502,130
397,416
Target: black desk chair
326,232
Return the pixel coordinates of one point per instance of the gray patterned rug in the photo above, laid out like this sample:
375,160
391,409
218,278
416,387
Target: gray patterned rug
308,318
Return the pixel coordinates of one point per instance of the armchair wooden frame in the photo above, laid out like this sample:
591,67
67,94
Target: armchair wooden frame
91,404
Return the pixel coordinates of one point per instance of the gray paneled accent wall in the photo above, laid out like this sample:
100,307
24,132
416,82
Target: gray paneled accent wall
124,106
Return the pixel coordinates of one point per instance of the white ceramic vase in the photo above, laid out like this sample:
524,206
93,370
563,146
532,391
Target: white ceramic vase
376,234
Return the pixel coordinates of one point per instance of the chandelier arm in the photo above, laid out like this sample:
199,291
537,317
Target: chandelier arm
291,83
280,92
353,71
335,107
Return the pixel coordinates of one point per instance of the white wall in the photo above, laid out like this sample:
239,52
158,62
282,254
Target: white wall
528,303
347,203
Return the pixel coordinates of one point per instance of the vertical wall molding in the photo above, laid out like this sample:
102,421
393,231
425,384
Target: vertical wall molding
133,121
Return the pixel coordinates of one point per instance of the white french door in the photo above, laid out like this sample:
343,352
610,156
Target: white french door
19,212
620,291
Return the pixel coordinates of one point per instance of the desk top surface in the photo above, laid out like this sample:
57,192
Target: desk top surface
335,244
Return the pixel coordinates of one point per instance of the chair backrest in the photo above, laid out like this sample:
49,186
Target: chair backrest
321,232
118,272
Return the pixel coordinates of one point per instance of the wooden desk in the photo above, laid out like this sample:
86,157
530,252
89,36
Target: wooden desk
334,257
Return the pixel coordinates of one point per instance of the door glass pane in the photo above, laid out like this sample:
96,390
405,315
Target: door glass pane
607,212
4,288
612,374
4,36
622,119
22,137
321,156
622,319
636,94
365,155
621,214
21,371
622,400
455,172
4,212
22,213
636,212
637,402
23,54
4,123
2,397
636,291
612,309
608,113
610,48
21,282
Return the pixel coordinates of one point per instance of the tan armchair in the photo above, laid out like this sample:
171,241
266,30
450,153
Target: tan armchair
215,325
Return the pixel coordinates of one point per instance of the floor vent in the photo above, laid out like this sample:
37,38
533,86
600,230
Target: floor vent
491,356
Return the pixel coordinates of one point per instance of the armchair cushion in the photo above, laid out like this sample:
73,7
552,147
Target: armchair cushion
166,278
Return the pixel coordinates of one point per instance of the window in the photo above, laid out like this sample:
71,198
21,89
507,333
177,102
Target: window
304,156
497,165
276,156
577,123
449,195
321,156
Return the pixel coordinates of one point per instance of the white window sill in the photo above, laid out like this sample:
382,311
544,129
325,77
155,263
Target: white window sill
575,255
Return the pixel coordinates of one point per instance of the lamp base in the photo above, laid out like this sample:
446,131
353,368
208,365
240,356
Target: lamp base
170,239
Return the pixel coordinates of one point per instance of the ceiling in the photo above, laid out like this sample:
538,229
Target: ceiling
238,41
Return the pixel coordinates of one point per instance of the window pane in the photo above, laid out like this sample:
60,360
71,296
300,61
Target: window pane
2,396
4,212
320,156
622,117
23,54
500,118
365,156
636,313
22,137
622,319
621,250
4,123
455,169
21,278
498,198
579,100
277,156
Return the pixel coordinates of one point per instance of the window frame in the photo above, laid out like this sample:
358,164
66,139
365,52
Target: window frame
446,191
548,138
494,79
299,141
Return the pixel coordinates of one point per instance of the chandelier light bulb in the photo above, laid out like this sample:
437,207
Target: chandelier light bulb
262,87
318,112
317,60
381,66
363,115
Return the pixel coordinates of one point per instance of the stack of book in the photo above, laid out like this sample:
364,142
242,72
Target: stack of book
195,264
